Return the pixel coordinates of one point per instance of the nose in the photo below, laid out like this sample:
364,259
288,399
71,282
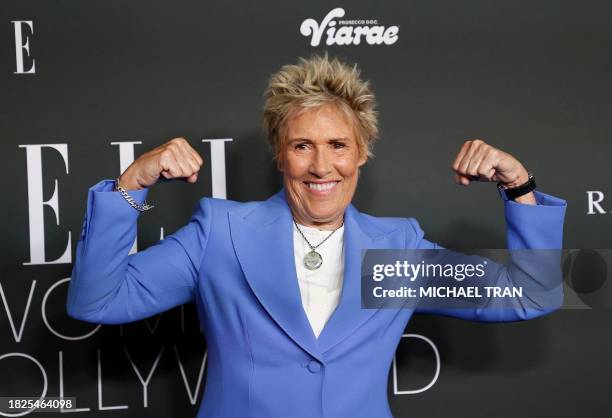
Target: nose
321,164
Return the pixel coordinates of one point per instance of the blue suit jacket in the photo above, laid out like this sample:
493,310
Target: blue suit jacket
236,261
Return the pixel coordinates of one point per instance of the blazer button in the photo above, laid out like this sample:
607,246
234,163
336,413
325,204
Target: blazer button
314,367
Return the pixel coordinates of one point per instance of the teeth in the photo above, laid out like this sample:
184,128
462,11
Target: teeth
322,186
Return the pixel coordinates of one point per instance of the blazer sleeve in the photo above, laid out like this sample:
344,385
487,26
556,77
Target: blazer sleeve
527,227
109,286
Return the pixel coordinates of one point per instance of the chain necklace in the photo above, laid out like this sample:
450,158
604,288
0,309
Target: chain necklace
313,260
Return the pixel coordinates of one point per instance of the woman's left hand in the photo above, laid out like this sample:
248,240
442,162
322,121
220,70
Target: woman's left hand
479,161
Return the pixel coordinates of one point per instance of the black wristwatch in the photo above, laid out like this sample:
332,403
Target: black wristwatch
514,192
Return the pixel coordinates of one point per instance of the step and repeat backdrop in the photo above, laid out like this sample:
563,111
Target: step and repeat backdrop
86,87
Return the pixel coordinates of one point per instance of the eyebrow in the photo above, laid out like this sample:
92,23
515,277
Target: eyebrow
310,140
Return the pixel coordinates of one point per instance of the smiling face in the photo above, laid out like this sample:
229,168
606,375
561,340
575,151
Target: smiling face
320,161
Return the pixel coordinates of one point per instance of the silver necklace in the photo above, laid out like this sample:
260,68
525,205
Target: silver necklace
313,260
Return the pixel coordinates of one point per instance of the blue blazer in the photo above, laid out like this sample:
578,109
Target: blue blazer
236,261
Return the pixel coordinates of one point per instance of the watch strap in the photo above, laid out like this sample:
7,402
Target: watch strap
514,192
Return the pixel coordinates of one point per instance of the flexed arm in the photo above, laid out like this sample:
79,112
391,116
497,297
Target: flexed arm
110,286
534,221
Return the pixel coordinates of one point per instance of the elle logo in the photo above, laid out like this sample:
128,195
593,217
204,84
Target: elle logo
22,46
347,32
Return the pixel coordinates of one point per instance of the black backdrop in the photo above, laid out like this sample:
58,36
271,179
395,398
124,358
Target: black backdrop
532,78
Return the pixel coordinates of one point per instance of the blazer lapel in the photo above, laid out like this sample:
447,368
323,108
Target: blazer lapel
349,315
263,239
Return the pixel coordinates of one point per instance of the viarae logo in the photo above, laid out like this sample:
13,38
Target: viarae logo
348,32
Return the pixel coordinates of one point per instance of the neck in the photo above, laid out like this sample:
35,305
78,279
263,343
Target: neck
326,225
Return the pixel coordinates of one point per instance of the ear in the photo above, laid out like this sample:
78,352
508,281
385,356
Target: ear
363,158
280,163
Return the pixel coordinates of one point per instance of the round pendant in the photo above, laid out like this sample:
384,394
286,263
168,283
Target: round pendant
313,260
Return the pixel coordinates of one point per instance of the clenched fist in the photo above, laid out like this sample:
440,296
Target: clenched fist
479,161
175,159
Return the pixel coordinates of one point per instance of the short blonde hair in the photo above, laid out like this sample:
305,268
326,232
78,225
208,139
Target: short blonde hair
313,83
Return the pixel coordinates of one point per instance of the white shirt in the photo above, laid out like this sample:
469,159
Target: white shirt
320,289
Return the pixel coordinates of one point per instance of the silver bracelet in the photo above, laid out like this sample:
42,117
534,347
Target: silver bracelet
140,208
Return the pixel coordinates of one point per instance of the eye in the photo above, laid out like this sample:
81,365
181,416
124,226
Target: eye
301,146
338,145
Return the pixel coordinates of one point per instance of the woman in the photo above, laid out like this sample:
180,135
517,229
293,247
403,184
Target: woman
277,283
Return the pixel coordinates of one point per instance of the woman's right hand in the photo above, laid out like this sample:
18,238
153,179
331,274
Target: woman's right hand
175,159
